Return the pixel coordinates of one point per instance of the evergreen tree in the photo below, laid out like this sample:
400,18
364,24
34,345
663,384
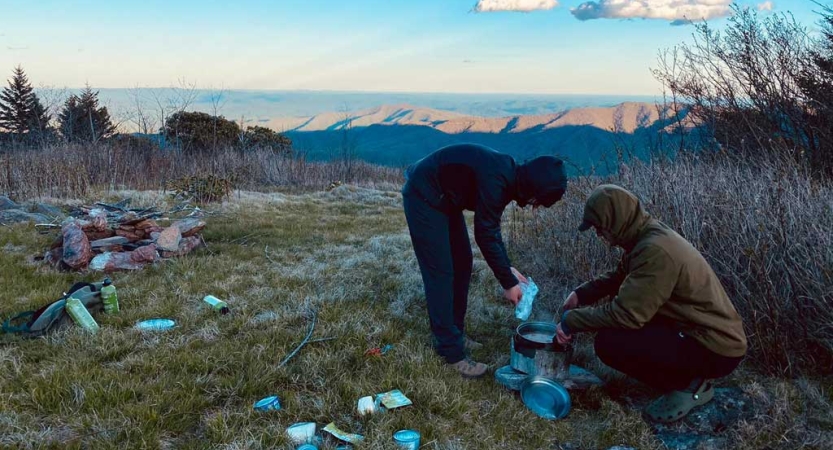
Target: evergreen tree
264,138
201,132
82,120
20,108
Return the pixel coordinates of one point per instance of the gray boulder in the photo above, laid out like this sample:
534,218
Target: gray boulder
6,203
46,209
9,216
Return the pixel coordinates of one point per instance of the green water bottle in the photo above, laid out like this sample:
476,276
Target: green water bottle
216,303
80,315
109,297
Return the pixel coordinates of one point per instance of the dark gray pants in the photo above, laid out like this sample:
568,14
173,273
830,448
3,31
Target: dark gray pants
441,244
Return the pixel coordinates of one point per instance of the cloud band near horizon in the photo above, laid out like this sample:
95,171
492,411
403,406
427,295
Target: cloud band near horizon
677,11
514,5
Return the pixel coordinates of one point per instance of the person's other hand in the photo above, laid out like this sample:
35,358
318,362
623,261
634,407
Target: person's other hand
513,294
518,275
571,302
562,337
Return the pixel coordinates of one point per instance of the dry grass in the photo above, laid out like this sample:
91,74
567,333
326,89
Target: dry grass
73,171
194,387
348,254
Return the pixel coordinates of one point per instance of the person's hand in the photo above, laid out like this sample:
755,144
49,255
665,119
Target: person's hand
563,338
513,294
571,302
518,275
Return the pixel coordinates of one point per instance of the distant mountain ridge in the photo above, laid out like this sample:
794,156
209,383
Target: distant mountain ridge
625,117
261,106
400,134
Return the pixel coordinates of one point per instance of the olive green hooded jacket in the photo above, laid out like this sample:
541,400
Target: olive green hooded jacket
661,274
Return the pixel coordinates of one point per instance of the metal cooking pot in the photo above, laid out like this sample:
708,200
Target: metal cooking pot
536,353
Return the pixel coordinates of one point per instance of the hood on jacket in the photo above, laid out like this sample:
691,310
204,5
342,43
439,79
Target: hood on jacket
542,178
615,210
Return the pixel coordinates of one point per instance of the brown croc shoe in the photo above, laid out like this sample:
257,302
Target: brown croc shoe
675,405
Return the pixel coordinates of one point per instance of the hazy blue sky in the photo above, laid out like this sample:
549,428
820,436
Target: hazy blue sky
599,47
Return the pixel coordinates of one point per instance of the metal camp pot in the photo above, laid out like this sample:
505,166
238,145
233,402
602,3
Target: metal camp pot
536,353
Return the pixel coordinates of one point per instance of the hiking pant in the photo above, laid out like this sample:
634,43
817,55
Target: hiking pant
441,244
661,356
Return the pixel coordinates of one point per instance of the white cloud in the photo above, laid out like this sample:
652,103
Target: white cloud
678,11
514,5
766,6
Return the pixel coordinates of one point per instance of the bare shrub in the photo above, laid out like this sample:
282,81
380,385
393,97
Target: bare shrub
763,226
74,170
758,86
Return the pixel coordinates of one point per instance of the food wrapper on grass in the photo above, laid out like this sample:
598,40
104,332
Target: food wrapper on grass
393,399
342,435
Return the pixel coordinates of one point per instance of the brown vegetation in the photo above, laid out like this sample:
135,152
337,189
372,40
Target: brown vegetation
763,225
76,171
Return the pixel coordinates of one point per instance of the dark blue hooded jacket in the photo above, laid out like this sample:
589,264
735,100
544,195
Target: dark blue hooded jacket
476,178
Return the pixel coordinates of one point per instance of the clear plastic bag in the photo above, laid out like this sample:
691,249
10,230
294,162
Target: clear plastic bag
524,307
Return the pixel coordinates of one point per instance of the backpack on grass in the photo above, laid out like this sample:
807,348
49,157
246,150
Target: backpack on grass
53,316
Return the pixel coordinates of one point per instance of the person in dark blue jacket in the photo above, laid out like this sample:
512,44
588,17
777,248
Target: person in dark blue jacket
437,190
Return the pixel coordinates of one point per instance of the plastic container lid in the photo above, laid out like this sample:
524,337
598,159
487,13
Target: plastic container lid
510,378
546,398
406,435
268,404
156,324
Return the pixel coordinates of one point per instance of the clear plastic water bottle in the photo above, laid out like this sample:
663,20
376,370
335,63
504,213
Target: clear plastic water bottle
216,303
80,315
109,297
528,293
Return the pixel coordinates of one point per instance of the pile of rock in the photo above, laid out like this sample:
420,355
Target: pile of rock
111,237
12,212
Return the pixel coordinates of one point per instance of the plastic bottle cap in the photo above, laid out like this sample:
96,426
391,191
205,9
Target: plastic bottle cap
107,282
224,310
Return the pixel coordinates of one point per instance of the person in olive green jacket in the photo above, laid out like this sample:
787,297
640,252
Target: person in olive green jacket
670,323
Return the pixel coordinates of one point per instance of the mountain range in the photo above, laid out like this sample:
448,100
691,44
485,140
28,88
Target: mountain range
400,134
625,117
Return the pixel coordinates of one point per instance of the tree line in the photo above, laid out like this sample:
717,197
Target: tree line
25,122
